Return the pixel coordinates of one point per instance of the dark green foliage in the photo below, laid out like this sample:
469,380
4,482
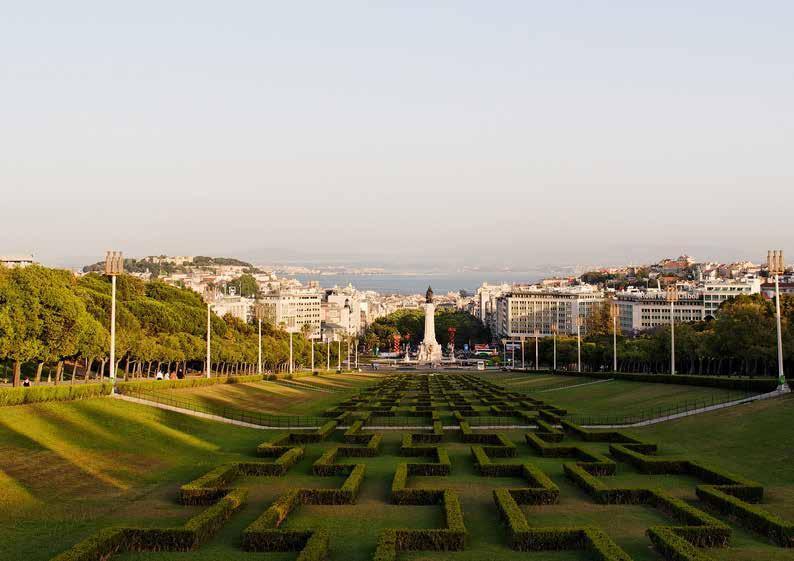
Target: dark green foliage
750,516
39,394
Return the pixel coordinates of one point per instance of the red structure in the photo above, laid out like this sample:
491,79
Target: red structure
451,334
396,344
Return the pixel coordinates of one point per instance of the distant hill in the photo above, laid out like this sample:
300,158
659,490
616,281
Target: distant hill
160,265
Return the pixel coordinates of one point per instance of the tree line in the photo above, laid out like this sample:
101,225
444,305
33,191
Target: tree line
741,340
410,326
49,317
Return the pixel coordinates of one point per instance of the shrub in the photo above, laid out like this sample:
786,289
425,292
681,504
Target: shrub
673,547
101,545
40,394
748,515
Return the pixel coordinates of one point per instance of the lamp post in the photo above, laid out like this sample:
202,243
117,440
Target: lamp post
208,366
523,364
579,322
339,355
328,354
537,356
672,297
614,311
114,266
355,350
777,267
259,343
512,353
504,346
290,352
554,339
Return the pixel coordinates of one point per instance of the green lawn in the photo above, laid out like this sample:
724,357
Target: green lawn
621,398
68,469
310,395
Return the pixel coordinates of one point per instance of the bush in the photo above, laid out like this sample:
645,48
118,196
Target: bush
40,394
191,382
101,545
748,515
673,547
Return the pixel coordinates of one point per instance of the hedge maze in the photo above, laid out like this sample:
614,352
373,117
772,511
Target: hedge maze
459,432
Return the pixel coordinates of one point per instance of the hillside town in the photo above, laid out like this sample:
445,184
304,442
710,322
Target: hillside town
640,295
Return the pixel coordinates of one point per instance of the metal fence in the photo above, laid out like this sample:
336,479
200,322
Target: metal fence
252,417
658,412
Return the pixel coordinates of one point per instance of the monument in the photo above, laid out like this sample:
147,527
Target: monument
429,350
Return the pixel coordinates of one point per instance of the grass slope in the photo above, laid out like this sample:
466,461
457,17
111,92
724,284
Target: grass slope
620,397
67,469
310,395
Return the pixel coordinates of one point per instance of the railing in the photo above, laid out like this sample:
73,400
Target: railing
251,417
659,412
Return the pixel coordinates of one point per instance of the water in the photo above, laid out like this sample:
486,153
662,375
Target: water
417,283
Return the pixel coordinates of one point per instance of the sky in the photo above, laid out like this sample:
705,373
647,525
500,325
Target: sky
437,134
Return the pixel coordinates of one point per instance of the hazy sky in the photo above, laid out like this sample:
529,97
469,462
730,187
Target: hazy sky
397,132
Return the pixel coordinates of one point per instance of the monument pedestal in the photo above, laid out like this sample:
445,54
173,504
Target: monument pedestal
429,350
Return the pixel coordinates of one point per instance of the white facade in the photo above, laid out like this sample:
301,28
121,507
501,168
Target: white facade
646,310
293,310
237,306
715,293
521,312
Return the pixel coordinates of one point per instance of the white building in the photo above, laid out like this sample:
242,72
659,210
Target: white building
16,261
521,311
293,310
646,310
237,306
717,292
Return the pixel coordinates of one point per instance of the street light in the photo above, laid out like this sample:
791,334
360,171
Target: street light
339,355
290,352
579,323
328,354
672,297
355,350
504,345
259,321
311,342
114,266
614,311
523,364
554,338
777,267
537,360
208,368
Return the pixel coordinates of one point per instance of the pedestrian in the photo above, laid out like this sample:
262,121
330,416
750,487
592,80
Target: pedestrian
26,382
159,375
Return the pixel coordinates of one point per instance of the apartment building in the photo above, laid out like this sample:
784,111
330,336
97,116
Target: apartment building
521,311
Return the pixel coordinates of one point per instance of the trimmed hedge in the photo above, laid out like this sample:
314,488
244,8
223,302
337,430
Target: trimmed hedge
190,382
41,394
450,538
673,547
523,537
199,529
748,515
96,547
